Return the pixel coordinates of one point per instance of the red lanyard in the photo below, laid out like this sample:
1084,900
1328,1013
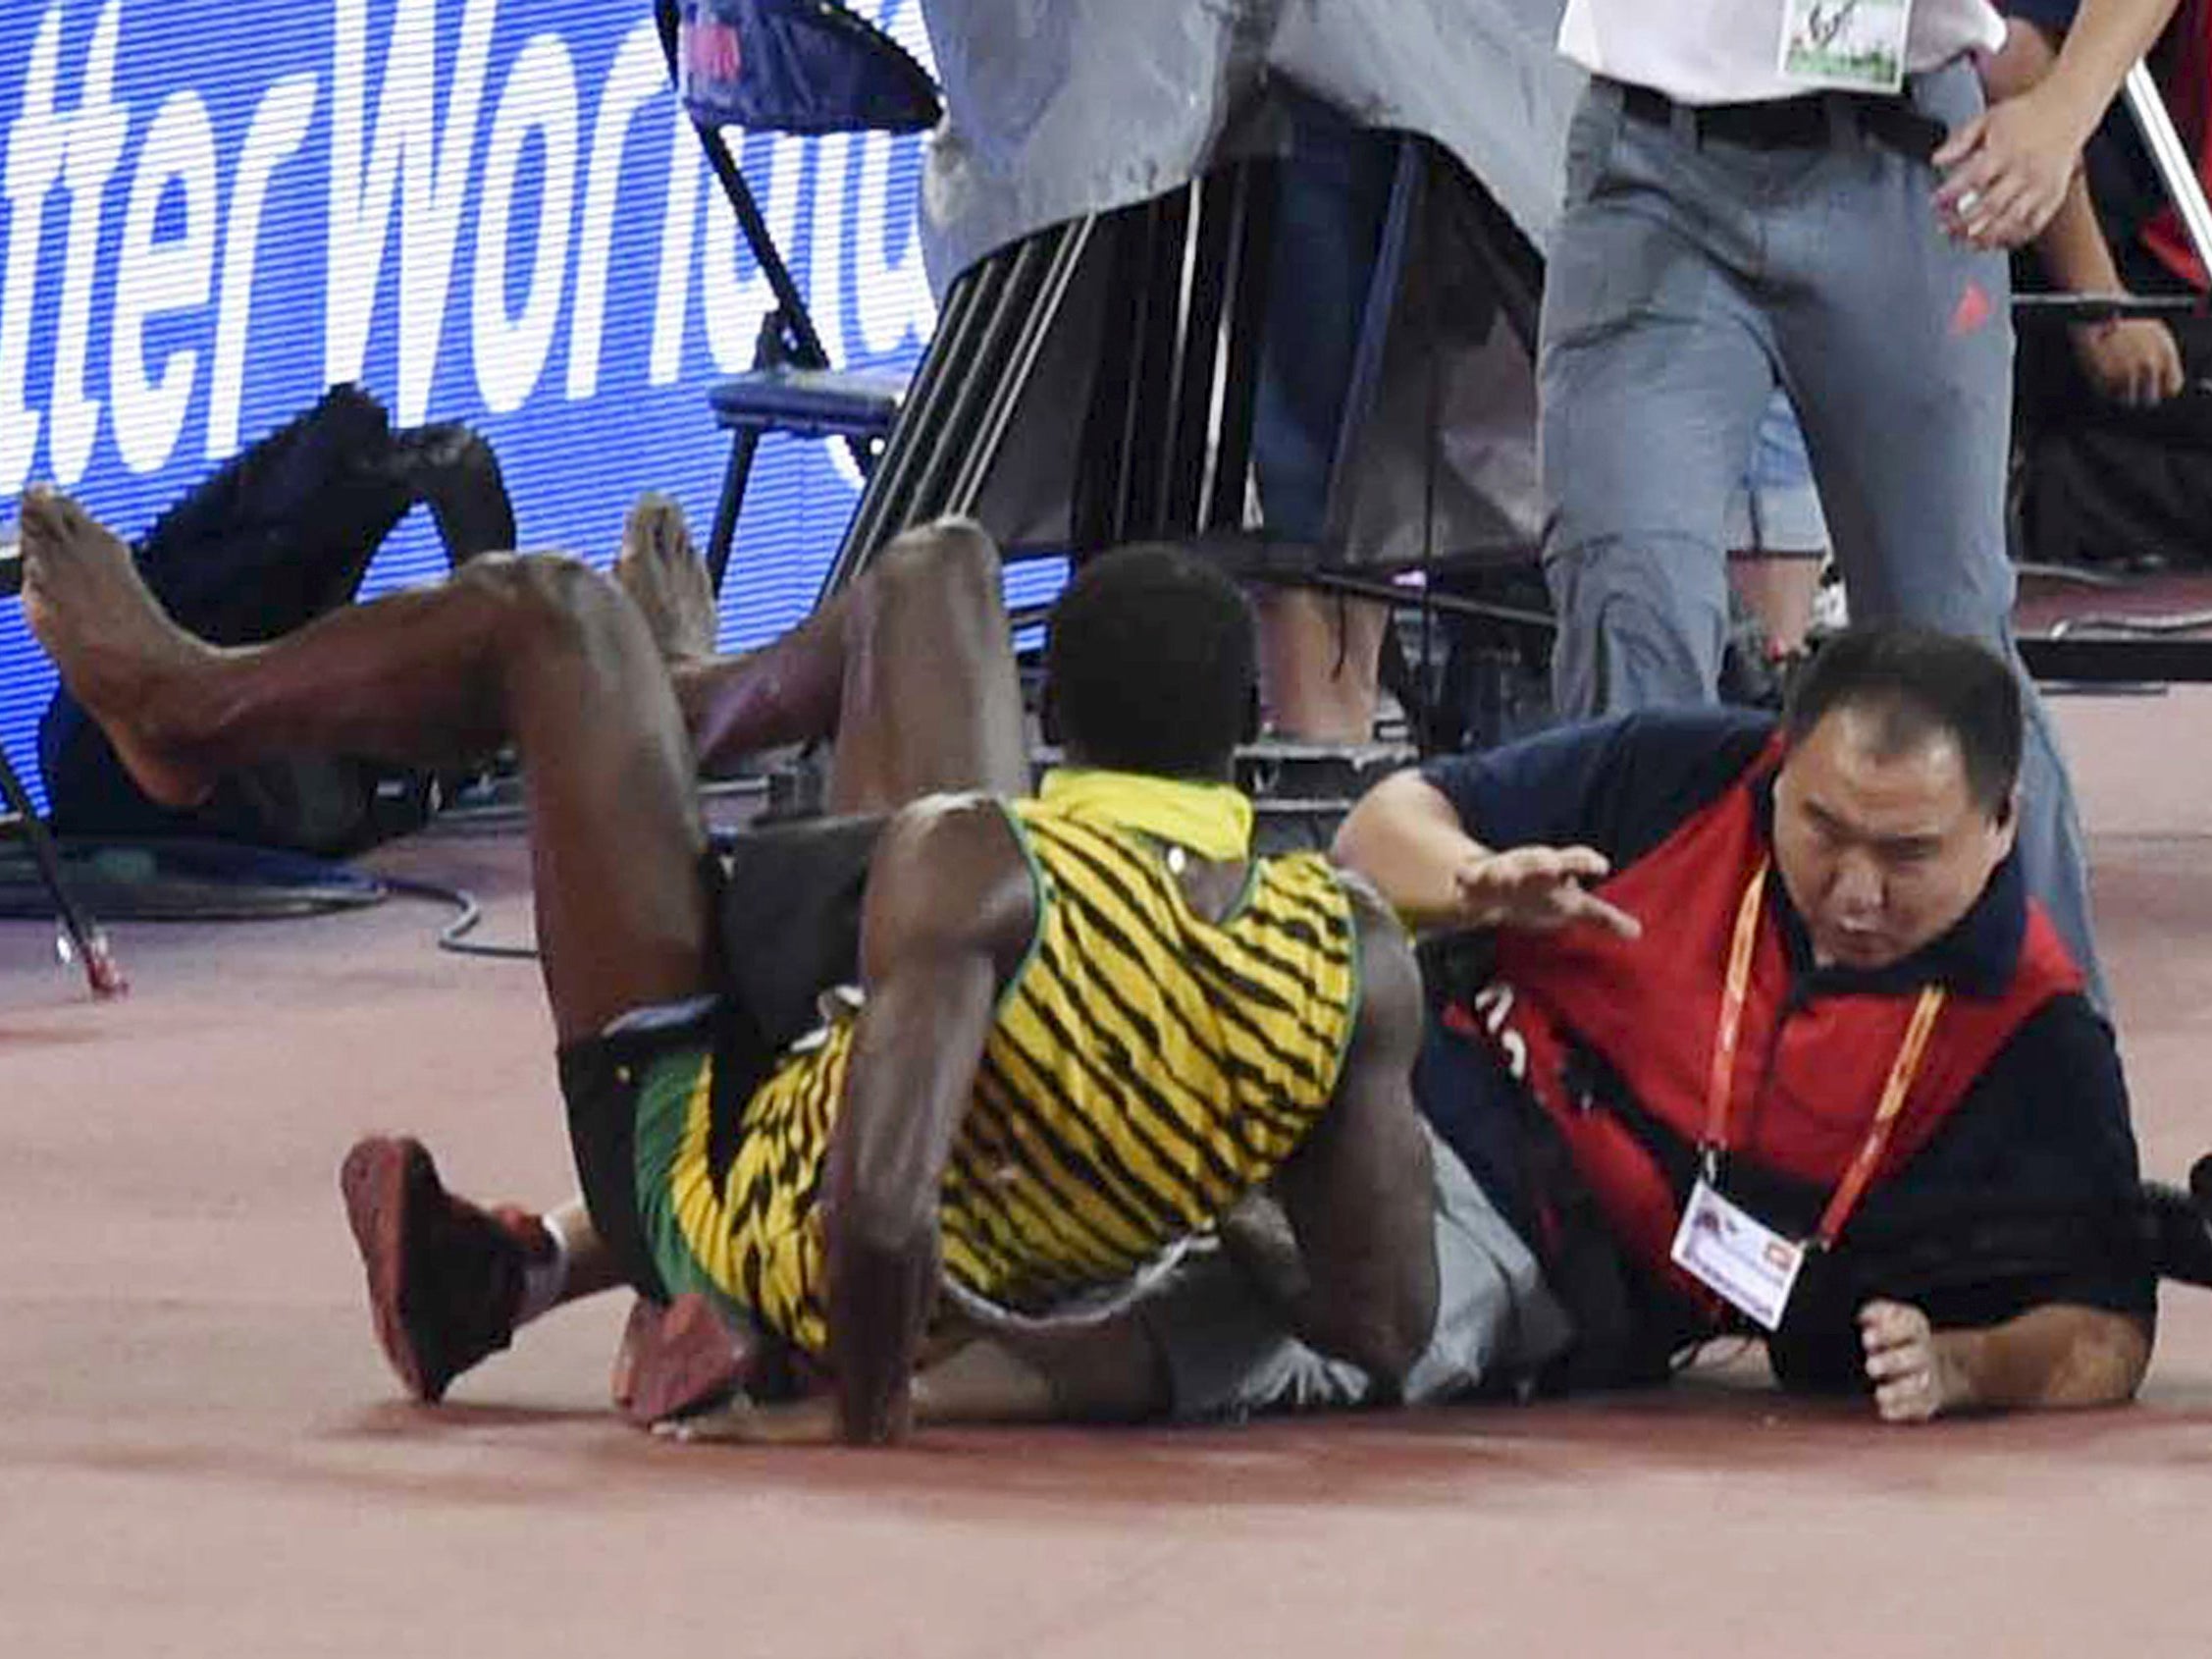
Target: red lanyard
1720,1085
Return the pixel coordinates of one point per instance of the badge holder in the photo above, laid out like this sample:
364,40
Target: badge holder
1849,45
1718,1243
1736,1255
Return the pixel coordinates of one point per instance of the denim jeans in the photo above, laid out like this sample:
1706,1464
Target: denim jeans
1776,508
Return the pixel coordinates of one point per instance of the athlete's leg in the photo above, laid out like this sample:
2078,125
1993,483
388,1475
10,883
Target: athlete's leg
535,650
909,670
929,699
660,568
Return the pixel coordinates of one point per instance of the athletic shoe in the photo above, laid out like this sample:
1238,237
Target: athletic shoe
455,471
445,1276
681,1358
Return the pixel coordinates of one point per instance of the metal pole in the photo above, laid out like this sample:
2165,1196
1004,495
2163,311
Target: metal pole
2176,168
1070,242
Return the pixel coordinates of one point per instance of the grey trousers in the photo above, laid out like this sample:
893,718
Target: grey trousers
1229,1357
1687,280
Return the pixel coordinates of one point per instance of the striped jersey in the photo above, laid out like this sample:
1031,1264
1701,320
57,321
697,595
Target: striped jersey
1145,1068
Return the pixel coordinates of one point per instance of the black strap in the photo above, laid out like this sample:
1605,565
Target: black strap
1903,129
1812,121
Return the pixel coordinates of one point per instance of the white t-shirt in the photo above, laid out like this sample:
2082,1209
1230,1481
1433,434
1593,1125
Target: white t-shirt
1727,51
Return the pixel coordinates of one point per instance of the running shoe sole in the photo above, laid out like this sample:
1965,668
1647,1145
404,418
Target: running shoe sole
677,1359
384,1181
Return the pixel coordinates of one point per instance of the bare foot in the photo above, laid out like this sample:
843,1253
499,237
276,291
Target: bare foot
662,571
120,655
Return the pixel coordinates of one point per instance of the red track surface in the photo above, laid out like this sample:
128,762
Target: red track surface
201,1453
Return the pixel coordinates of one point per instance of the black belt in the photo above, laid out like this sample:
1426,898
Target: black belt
1812,121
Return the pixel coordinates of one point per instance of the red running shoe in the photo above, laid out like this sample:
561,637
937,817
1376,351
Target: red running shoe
682,1358
445,1276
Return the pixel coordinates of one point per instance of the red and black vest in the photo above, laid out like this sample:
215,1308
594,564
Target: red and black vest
1808,1075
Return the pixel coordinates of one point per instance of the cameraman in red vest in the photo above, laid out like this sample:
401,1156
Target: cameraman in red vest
1752,1027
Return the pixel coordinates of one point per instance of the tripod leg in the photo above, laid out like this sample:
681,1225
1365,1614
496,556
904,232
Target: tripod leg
79,934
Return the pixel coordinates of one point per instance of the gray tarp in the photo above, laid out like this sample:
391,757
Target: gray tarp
1062,108
1058,108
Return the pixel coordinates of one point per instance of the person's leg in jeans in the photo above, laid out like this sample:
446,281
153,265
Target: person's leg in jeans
1898,345
1777,535
1652,368
1317,652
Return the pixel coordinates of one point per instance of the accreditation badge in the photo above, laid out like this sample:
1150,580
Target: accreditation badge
1736,1255
1857,45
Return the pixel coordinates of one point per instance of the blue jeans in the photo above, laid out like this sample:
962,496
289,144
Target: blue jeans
1776,509
1684,278
1334,195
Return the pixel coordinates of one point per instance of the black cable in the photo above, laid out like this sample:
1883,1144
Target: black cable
453,936
502,816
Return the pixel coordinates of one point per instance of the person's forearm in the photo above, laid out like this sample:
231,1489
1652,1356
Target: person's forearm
2055,1356
2109,37
2072,248
1406,837
2021,62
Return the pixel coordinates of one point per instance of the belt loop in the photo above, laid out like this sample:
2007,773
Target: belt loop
1683,119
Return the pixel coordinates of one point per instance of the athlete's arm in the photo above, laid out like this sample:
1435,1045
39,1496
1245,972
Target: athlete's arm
949,909
1360,1193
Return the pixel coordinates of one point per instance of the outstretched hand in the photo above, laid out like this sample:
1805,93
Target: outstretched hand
1539,889
2006,171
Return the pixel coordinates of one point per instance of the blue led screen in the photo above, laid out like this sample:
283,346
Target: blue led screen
213,209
